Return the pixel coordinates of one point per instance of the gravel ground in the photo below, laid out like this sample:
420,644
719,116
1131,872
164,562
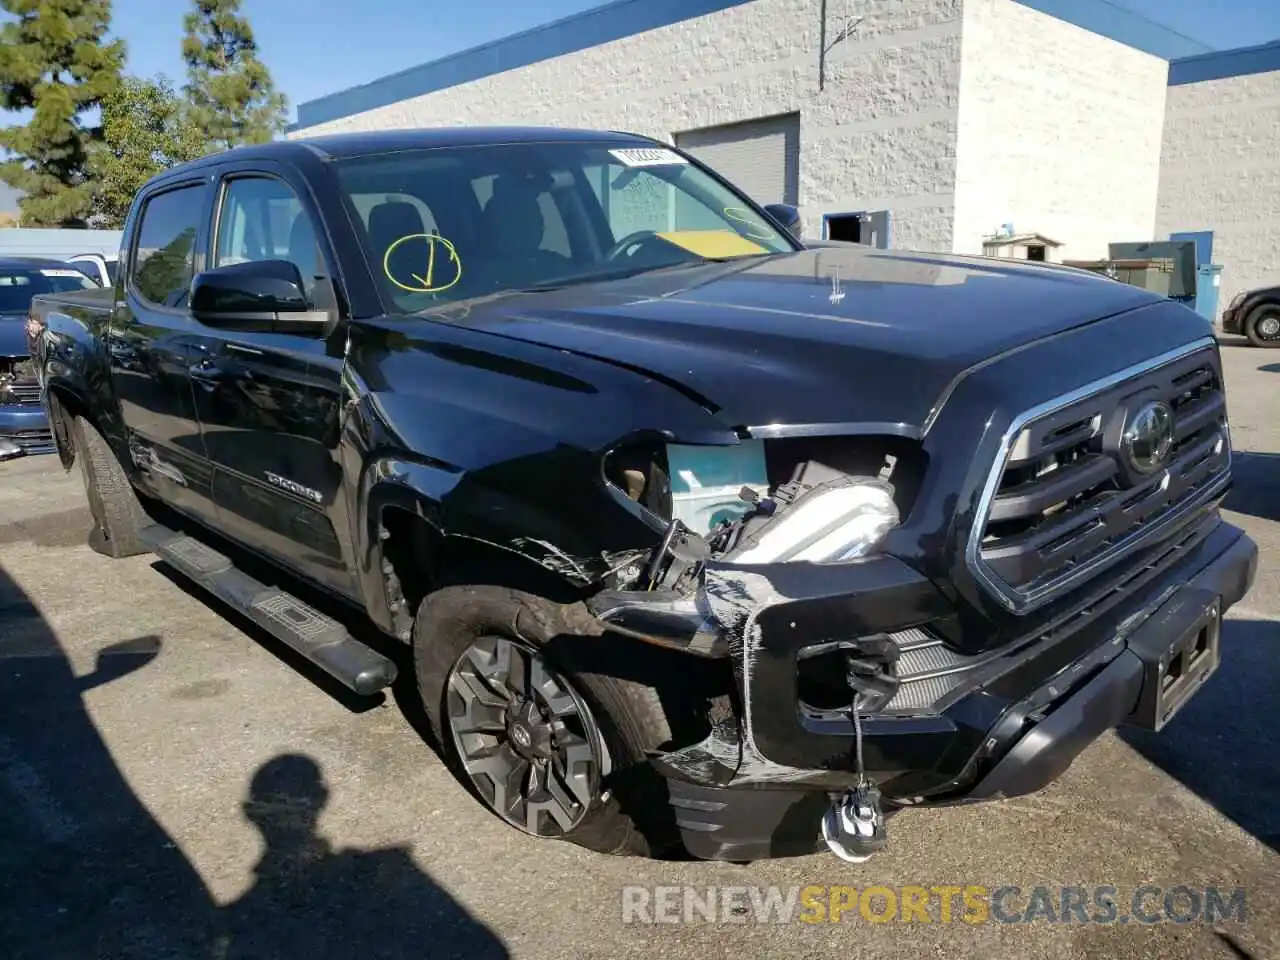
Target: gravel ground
170,787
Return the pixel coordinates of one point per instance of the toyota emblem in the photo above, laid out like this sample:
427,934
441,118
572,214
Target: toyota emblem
1148,438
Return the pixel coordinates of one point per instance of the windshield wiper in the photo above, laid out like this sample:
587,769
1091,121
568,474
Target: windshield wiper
621,273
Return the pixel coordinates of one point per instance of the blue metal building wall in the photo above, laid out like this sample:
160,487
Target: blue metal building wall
1124,26
613,21
1225,63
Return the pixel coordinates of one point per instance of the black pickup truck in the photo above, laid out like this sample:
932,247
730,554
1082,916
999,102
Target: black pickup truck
692,532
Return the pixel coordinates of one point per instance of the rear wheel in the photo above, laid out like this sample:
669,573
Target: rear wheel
556,752
1263,326
118,516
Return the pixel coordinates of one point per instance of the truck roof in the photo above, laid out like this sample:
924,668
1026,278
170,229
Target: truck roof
340,145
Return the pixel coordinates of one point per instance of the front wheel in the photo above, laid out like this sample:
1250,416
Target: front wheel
556,752
1263,326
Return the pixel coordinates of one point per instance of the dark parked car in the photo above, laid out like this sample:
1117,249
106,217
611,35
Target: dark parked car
1255,314
691,533
24,428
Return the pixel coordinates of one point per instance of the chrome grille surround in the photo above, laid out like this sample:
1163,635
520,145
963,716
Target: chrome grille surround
1060,505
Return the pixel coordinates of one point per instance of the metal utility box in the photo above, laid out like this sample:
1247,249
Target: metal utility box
1166,267
1179,254
1156,275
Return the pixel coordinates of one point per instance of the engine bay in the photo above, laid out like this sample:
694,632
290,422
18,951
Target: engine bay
733,502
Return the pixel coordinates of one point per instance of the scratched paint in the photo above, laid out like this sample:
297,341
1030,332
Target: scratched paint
736,598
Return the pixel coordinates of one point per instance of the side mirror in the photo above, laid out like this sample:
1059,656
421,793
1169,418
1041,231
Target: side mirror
787,215
261,295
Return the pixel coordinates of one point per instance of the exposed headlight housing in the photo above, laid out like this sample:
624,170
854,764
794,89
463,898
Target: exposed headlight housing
839,520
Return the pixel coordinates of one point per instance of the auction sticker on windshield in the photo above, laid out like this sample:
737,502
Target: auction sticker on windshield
75,274
649,157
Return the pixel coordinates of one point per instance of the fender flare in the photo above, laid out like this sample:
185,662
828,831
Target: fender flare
401,481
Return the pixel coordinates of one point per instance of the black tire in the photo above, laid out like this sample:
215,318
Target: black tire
118,516
1263,326
630,814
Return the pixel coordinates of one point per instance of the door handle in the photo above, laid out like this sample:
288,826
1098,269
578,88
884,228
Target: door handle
208,373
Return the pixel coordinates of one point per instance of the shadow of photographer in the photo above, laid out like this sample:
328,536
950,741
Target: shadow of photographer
86,870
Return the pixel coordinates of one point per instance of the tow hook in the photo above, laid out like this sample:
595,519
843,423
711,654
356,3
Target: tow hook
854,825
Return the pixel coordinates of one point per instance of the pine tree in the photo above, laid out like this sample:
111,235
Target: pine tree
232,97
146,128
57,63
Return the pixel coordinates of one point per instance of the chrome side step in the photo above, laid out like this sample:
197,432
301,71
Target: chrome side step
321,639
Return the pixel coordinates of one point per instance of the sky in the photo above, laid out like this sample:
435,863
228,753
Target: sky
370,39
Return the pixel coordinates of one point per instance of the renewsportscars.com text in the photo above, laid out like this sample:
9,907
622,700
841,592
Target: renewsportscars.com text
972,904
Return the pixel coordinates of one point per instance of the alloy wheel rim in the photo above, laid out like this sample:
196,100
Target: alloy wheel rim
525,737
1269,327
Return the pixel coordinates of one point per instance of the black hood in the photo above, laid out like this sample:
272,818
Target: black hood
13,335
827,335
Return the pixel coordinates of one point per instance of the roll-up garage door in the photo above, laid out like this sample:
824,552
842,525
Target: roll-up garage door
761,157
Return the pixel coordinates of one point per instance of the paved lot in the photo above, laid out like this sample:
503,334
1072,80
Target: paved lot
170,787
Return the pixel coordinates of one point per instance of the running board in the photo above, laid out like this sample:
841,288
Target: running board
320,639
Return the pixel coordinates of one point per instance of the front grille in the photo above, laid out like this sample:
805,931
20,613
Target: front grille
927,670
18,384
1066,500
32,441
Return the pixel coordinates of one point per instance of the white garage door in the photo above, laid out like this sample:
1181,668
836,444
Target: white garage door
760,157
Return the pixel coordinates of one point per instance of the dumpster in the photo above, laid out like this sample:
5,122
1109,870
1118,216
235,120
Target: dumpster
1208,283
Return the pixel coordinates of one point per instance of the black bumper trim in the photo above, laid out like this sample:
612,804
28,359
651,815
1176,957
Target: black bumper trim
1048,730
719,823
1046,750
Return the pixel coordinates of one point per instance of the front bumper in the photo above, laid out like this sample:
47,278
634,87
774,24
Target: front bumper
24,431
990,744
1231,320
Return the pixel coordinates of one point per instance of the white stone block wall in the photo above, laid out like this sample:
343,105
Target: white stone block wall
880,134
1220,171
1059,132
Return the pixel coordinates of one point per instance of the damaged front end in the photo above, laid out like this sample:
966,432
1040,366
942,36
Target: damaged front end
801,548
804,530
861,672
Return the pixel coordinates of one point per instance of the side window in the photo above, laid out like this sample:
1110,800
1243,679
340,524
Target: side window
262,219
165,254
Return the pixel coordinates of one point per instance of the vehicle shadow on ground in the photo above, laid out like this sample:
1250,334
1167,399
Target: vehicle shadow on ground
1222,744
87,871
1255,487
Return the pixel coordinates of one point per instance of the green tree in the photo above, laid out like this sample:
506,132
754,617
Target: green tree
232,97
57,63
146,128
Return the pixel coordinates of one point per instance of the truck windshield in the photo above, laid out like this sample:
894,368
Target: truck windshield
18,286
449,224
